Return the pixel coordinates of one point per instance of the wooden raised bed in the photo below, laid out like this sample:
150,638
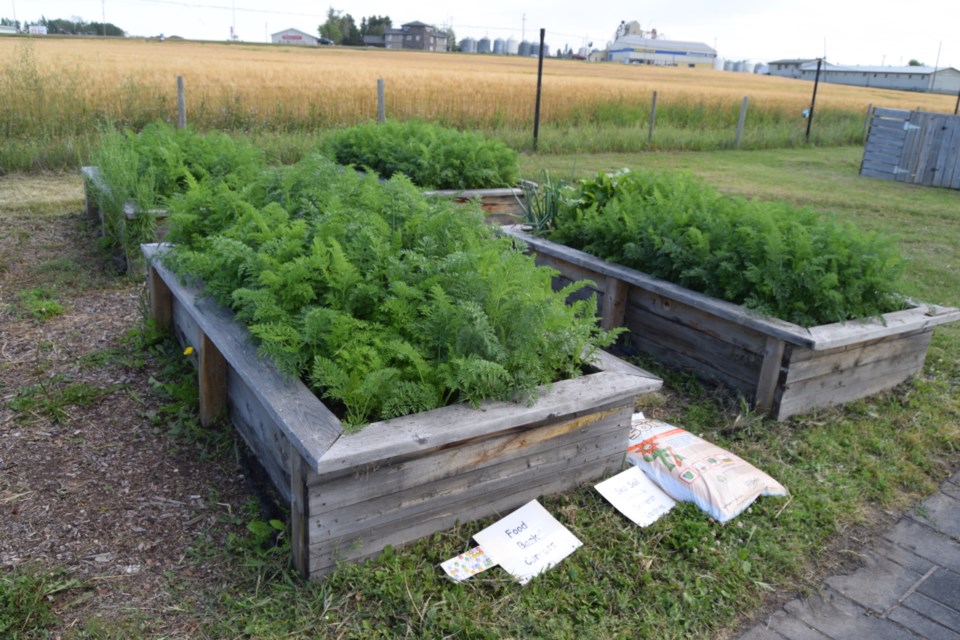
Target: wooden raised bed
783,368
398,480
501,206
93,184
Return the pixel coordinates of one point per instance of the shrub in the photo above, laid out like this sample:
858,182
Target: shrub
385,302
433,157
775,258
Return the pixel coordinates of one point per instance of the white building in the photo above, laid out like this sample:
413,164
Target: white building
920,78
6,30
637,49
294,36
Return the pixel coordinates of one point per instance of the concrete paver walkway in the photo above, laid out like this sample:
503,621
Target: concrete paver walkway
907,588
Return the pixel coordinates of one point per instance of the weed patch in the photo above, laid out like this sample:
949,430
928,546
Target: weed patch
37,303
26,600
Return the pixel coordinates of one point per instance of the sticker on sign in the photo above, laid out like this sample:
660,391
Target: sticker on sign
467,564
527,542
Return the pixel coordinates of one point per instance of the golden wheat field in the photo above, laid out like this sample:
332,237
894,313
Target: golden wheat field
248,85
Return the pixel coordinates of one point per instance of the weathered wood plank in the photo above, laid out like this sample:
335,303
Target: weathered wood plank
736,363
829,390
305,421
366,544
614,303
262,435
896,114
606,428
399,437
952,155
770,373
553,458
710,370
299,513
771,326
881,158
642,302
920,317
161,300
873,173
212,374
806,364
884,146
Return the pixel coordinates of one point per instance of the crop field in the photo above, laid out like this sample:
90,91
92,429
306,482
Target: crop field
58,92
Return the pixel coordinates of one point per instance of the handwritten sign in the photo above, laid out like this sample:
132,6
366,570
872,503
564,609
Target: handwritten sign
636,496
469,563
527,542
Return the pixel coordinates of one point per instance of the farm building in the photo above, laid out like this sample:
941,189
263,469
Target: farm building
637,49
415,35
7,30
295,36
916,78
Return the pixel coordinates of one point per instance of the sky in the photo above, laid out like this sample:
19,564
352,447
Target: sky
850,32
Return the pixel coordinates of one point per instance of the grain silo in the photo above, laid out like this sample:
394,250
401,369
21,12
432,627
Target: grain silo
499,46
728,65
468,45
524,48
762,68
483,45
512,46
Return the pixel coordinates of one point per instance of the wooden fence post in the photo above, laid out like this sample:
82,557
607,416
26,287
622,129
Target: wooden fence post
181,104
866,120
653,117
381,101
743,117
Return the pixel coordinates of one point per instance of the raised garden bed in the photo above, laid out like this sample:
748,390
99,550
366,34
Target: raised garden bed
783,368
500,206
397,480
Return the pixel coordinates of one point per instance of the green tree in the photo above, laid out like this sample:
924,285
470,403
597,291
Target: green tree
341,28
375,25
452,40
915,63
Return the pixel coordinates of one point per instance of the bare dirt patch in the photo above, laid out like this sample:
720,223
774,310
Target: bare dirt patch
91,480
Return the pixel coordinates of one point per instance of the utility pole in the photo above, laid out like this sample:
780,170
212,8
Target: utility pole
813,100
103,7
523,28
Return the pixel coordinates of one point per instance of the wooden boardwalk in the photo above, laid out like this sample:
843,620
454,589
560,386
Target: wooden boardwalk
908,586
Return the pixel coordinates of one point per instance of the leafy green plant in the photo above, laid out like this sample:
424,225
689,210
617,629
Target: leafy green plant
141,173
431,156
25,600
38,303
385,302
778,259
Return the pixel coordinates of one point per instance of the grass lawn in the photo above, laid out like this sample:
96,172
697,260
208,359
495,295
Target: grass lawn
849,471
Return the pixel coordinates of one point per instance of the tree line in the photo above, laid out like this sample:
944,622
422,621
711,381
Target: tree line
67,27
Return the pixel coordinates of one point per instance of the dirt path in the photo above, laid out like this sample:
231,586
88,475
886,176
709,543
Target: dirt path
93,485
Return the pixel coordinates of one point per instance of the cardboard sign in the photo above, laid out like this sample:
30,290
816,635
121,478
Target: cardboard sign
469,563
636,496
527,542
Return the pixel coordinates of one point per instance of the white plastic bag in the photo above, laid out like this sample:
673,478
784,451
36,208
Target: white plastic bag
690,469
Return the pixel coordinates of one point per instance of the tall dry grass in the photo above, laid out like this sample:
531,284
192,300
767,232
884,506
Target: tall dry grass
63,89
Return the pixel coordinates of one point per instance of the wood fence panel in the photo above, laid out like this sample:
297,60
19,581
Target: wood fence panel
913,146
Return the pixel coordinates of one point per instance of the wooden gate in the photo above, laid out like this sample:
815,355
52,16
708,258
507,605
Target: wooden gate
913,146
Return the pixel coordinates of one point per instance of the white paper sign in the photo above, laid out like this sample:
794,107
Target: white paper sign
527,542
636,496
469,563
